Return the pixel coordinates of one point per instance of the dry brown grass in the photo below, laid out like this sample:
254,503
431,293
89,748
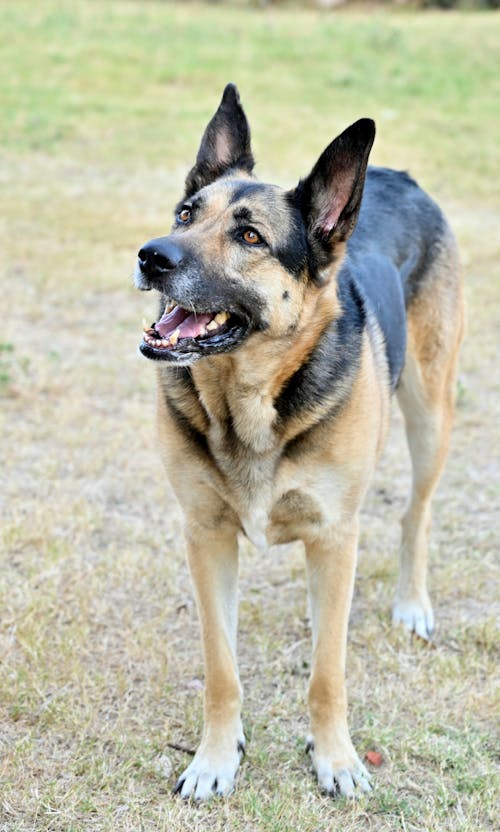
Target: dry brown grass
100,664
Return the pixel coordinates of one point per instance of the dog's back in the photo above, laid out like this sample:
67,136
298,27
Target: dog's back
400,233
400,221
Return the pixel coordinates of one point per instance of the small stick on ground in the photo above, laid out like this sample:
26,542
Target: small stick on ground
182,748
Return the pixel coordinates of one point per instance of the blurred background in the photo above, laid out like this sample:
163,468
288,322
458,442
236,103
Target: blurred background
102,108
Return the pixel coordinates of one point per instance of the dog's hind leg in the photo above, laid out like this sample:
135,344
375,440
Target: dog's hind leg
213,562
426,395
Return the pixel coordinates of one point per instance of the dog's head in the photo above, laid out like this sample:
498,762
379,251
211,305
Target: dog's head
242,255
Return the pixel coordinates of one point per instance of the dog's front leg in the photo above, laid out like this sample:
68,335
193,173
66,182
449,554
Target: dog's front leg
213,562
331,563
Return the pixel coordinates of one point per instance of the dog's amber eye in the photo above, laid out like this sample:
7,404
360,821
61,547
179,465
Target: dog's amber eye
251,237
184,215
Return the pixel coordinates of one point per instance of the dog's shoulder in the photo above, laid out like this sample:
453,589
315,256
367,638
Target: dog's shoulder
327,375
180,400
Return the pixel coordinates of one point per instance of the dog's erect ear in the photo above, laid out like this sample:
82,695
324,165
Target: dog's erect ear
330,197
225,144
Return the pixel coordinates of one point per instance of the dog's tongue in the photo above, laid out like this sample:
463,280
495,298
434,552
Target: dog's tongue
168,323
189,324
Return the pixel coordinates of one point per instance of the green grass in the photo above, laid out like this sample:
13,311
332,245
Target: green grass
102,81
103,105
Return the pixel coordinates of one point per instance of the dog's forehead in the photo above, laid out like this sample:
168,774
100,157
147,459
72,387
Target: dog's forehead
240,194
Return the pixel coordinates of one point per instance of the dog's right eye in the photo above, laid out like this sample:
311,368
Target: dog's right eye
184,215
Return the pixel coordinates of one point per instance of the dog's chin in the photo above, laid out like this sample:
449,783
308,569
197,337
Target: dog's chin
184,360
182,337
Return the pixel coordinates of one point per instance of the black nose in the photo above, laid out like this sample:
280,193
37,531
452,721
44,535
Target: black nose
159,257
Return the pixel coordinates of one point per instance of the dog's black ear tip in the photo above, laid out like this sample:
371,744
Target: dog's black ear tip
365,128
230,93
370,125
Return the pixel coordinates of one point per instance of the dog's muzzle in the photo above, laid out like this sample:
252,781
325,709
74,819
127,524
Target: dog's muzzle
189,328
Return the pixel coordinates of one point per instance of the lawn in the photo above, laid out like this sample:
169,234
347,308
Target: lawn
103,105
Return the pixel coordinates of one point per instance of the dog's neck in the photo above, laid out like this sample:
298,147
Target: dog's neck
238,399
238,391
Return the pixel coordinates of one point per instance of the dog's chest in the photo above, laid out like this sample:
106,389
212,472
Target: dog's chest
253,476
276,501
247,480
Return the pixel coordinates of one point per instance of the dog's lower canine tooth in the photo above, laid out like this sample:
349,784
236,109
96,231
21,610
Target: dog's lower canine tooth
212,325
221,317
174,337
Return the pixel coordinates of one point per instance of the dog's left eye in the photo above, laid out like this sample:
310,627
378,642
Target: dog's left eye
184,215
251,238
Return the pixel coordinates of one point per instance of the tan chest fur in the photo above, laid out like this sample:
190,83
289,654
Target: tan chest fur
244,445
278,496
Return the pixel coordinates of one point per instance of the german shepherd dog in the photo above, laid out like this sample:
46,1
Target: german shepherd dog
287,319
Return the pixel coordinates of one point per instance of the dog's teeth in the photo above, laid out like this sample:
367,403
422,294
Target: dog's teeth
164,342
212,325
221,317
168,308
174,337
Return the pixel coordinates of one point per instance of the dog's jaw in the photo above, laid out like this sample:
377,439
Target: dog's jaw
185,335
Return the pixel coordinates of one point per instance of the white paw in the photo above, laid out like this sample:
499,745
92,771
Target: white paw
415,616
348,780
210,773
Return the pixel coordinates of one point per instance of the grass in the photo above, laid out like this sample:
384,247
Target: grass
103,105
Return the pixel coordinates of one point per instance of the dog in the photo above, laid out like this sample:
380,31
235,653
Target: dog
287,320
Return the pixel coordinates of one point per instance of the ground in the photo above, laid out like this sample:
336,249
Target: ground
100,666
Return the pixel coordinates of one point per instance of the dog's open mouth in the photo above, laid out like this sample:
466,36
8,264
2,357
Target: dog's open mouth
181,333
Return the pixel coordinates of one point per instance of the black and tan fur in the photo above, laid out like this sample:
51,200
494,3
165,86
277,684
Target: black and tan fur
273,427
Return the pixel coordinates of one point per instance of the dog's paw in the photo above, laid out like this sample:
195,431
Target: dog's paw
210,773
347,779
416,616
